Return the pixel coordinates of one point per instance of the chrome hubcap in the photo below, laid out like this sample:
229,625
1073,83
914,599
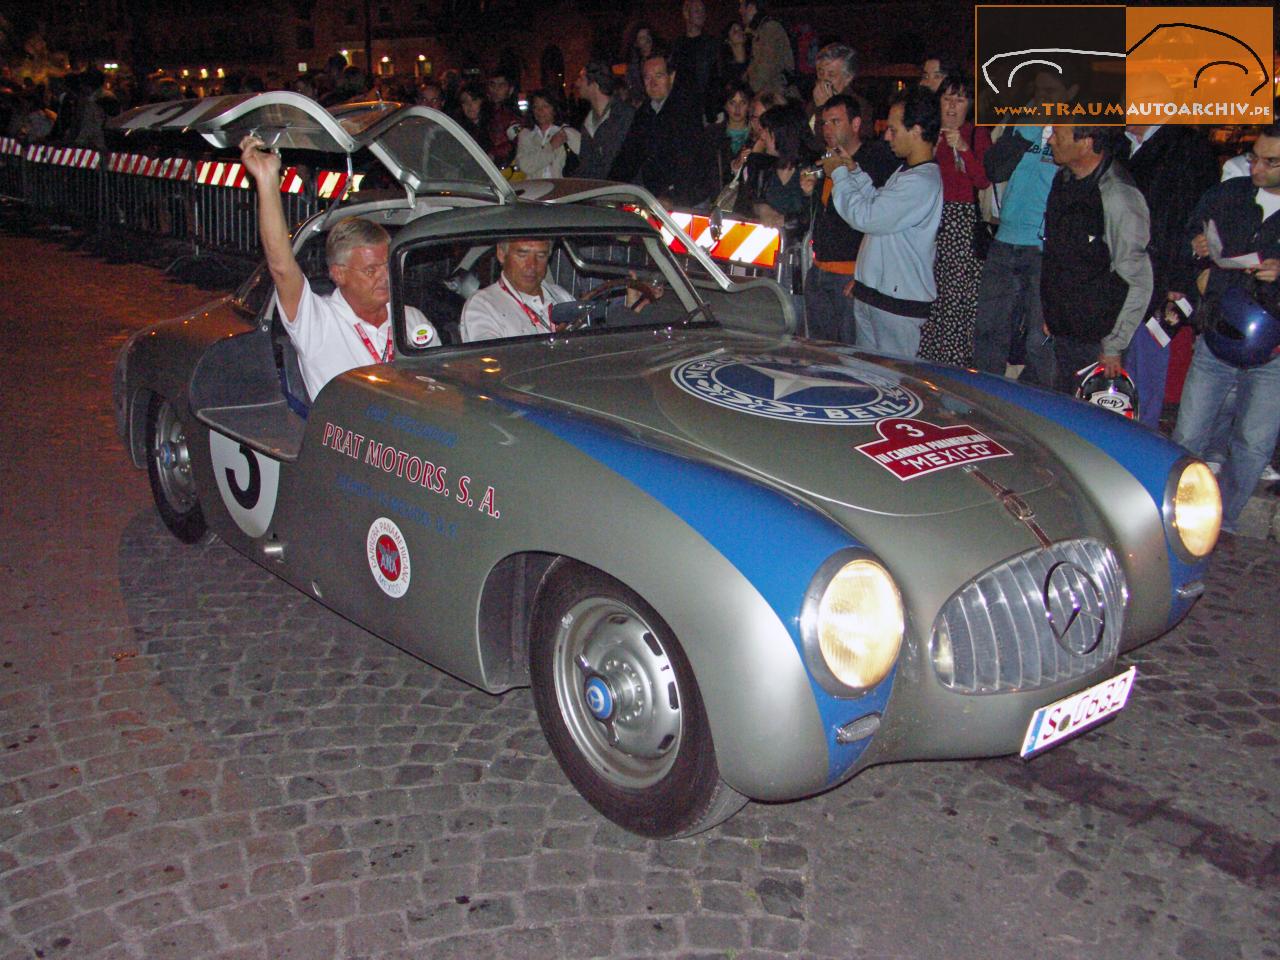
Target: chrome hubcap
617,692
173,461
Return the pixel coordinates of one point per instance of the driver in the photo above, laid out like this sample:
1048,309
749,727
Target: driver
519,304
350,327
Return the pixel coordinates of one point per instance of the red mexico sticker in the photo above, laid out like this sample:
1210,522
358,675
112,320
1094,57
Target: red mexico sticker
912,448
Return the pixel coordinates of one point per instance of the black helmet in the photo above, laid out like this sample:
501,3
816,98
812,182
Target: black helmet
1117,394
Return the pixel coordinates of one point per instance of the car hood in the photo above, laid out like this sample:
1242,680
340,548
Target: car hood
865,432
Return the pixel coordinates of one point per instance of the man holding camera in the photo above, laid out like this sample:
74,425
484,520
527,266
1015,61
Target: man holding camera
828,288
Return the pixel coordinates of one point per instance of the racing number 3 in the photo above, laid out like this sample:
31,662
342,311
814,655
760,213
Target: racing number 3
247,497
247,482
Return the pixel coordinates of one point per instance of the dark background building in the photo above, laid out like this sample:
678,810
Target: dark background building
411,38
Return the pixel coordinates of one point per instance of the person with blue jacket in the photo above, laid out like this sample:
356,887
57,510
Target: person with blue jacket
893,280
1020,165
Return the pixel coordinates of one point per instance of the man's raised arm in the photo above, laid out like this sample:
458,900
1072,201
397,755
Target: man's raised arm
264,167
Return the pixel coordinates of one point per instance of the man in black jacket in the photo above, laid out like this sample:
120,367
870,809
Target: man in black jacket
605,127
665,149
828,287
1173,165
1095,281
695,57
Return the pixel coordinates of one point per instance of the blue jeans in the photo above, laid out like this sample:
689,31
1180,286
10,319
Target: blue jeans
1253,431
1008,297
828,310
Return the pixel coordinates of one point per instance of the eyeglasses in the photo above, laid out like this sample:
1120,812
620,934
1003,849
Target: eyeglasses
370,272
1270,163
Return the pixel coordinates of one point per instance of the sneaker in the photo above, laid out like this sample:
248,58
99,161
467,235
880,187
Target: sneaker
1269,473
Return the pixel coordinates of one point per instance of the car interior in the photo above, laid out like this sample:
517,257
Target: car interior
251,387
437,278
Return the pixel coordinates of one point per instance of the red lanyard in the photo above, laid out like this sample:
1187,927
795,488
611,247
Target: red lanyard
368,345
536,320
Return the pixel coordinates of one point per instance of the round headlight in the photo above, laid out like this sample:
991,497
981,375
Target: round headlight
1197,509
856,625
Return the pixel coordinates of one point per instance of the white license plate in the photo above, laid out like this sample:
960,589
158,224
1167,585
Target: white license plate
1057,721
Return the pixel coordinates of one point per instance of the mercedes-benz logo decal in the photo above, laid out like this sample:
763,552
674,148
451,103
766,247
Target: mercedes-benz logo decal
1075,607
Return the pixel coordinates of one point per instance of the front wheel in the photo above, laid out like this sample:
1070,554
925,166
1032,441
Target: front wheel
621,710
173,485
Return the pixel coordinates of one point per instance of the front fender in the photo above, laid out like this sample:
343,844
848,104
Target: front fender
774,726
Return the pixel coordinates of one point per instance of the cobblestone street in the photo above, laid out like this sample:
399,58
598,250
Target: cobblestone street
198,761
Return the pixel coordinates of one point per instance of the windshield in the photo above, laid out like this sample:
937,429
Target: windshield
601,282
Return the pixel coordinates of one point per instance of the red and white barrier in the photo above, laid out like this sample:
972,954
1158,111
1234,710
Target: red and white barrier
163,168
331,184
290,180
749,243
82,158
218,173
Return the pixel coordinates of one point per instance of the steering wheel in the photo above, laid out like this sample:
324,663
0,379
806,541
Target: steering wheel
613,288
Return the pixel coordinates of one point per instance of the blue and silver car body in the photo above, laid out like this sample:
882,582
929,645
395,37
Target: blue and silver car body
733,564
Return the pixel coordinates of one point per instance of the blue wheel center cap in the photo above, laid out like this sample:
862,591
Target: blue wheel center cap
599,698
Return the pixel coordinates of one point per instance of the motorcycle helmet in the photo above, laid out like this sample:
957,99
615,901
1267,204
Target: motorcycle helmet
1117,394
1242,332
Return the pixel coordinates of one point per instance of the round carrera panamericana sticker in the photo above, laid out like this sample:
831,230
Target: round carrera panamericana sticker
388,555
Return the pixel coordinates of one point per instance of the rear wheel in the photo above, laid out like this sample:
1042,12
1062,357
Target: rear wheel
173,484
621,709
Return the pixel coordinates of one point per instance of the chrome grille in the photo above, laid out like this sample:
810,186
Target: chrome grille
1001,637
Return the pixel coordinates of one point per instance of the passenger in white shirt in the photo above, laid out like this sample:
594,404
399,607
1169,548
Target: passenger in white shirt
350,327
519,304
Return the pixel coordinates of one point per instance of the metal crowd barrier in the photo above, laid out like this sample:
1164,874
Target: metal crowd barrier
11,166
150,195
209,206
66,182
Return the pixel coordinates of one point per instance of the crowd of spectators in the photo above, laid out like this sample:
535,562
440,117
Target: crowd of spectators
1044,250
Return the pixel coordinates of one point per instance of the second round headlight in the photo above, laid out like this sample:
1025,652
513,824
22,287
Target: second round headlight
1197,509
855,624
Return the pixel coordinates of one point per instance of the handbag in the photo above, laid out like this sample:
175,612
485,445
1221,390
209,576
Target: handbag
989,196
727,199
989,204
983,233
986,222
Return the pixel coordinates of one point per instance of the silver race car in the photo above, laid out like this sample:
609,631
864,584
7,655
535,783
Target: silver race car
732,564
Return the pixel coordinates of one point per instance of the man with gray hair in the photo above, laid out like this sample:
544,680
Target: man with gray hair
519,303
836,66
350,327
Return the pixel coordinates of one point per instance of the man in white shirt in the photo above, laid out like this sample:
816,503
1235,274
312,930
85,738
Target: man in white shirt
519,304
350,327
